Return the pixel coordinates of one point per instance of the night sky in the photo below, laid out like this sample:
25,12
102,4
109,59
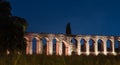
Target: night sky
89,17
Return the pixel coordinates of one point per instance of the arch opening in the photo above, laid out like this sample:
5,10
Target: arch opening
117,46
34,44
100,45
91,45
64,48
83,45
54,45
74,46
44,42
109,45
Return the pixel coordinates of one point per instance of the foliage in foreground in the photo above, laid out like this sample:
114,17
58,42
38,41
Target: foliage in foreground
59,60
12,30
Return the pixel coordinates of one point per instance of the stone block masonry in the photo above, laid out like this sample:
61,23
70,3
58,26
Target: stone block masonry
72,44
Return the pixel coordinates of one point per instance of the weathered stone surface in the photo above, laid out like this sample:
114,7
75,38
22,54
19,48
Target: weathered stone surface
64,46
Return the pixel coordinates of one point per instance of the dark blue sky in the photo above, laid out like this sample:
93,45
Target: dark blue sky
94,17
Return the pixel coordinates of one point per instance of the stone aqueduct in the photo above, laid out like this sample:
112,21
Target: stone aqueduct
64,46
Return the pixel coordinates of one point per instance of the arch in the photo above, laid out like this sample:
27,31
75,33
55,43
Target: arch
65,46
36,45
100,45
44,42
109,45
92,45
26,38
27,44
96,44
78,50
117,46
83,45
118,38
56,46
33,43
54,41
74,41
74,45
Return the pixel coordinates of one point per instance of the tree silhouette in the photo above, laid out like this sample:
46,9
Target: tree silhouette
68,29
12,30
5,8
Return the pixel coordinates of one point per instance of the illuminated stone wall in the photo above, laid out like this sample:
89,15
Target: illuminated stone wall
72,44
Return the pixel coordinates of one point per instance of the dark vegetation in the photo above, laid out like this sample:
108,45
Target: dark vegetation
59,60
12,30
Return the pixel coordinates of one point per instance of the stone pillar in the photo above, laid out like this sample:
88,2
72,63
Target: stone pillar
66,51
113,46
96,47
28,44
78,45
68,48
60,42
39,47
51,47
87,45
30,47
50,44
47,47
27,47
60,48
104,46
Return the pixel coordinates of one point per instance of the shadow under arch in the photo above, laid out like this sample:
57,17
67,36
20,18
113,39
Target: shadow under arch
92,45
45,45
36,45
83,45
100,45
54,41
74,46
65,48
117,46
109,45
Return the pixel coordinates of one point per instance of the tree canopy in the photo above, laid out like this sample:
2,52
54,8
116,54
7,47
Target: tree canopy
12,30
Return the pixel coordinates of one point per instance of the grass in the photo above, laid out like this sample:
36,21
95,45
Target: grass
59,60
